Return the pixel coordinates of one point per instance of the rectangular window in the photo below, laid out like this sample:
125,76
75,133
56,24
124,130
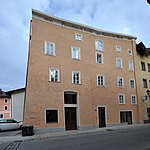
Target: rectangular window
126,117
118,48
143,66
54,75
133,99
132,83
51,116
99,58
100,80
75,52
120,82
5,100
144,83
121,98
148,65
76,77
129,53
131,67
49,48
99,45
78,37
119,62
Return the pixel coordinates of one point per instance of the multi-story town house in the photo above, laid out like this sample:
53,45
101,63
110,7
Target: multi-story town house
142,59
79,77
5,105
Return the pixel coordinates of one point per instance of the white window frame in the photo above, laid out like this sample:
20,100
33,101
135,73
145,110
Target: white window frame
6,107
54,69
103,78
118,48
102,58
131,66
5,100
73,72
132,99
78,37
101,43
72,52
49,52
118,83
131,85
129,52
119,66
119,101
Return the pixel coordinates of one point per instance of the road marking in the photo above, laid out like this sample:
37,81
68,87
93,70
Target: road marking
13,145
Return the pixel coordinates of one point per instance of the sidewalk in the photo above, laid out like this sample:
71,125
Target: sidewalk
19,136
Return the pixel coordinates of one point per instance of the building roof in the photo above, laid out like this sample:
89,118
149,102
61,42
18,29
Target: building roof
142,50
15,91
3,94
82,27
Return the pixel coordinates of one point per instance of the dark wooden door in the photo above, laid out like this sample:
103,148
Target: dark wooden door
102,119
70,118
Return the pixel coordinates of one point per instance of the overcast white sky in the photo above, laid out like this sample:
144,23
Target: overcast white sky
124,16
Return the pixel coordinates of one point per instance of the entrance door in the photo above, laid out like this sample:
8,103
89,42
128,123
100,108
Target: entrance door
70,118
129,117
102,119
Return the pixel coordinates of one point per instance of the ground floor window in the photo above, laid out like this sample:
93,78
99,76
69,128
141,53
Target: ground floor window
1,116
51,116
126,117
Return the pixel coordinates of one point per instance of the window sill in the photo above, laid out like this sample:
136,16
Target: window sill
50,55
121,87
77,83
101,86
51,122
76,59
54,81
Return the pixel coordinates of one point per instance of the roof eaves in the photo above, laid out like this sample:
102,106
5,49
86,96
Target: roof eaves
44,15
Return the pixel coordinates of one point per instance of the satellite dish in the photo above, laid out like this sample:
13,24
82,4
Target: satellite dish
148,1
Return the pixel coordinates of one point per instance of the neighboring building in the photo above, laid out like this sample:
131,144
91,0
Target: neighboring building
17,103
79,77
5,105
143,77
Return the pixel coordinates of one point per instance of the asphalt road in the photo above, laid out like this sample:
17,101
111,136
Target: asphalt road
126,139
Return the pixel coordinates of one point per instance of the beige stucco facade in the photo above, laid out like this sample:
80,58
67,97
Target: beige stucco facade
43,94
144,100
